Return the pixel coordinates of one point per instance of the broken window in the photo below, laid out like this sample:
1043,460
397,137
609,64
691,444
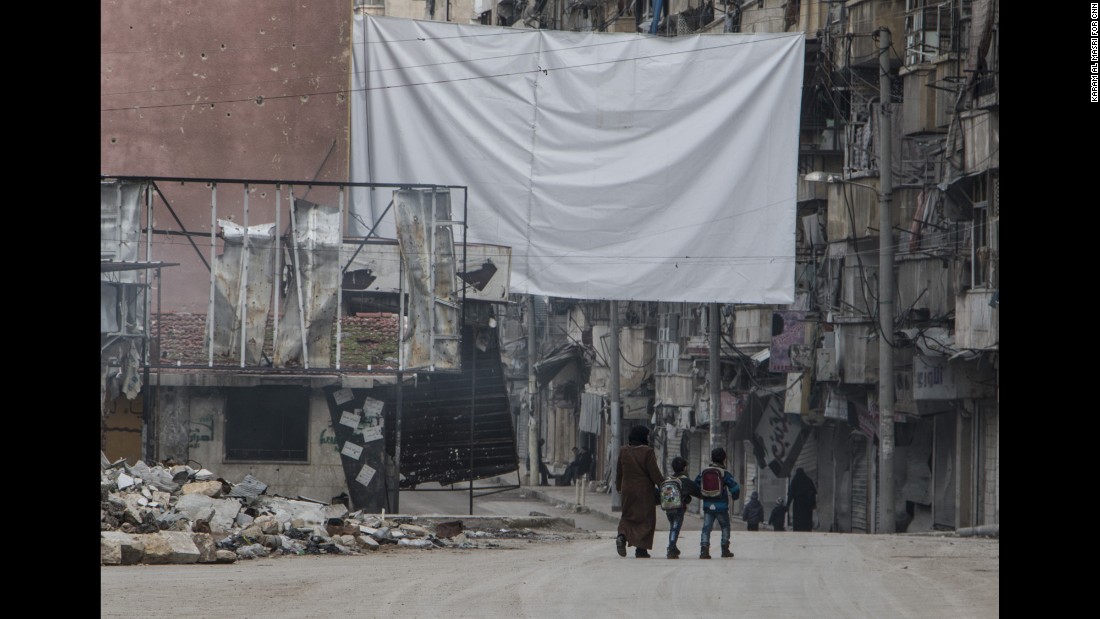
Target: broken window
267,423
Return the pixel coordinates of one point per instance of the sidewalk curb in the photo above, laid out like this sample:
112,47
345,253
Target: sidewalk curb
574,507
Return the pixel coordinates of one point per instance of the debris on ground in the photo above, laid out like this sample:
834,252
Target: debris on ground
171,513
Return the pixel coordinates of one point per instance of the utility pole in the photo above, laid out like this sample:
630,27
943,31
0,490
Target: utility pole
532,418
887,521
616,429
715,376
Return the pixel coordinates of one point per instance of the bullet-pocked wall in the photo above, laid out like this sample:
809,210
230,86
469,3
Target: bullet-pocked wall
213,89
281,435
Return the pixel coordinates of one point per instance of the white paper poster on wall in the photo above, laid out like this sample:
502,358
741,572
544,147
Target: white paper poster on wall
343,396
372,407
372,433
365,475
350,419
352,450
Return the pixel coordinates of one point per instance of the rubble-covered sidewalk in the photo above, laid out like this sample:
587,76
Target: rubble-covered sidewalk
170,513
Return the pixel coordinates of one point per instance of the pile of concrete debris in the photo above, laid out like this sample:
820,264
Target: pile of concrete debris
175,514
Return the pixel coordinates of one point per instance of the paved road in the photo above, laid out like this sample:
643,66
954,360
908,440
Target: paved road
784,575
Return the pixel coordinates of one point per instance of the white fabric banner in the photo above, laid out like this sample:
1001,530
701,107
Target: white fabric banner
616,165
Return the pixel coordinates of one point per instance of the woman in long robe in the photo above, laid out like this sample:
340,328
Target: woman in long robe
637,477
802,499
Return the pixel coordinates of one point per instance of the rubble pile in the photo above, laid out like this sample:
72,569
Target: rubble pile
175,514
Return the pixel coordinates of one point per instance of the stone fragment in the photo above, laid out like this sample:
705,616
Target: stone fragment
337,510
125,481
449,529
220,513
415,543
212,488
157,476
204,542
118,548
225,556
348,541
173,547
252,532
413,529
268,523
181,473
368,542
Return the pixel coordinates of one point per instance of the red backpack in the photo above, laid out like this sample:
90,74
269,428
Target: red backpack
711,480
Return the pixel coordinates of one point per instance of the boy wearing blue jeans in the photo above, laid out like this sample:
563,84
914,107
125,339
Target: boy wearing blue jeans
676,516
722,485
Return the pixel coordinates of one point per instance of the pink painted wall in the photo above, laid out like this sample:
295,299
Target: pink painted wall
195,69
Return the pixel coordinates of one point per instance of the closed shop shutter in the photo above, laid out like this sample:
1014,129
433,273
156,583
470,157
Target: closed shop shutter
859,485
807,457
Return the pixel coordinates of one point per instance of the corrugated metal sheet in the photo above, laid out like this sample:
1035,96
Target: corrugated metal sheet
248,270
436,420
249,487
860,478
427,251
315,275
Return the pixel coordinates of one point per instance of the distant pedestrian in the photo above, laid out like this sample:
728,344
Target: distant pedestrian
717,486
802,500
544,472
579,467
778,517
753,513
637,477
687,489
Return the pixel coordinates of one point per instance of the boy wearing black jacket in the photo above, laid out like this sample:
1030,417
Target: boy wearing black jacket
688,489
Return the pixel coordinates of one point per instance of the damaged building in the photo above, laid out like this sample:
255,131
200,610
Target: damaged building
781,385
285,377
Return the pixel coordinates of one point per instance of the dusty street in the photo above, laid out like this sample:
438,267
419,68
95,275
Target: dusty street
788,575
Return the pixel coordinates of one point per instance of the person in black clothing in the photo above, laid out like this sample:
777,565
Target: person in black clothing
580,466
778,517
802,499
544,472
753,513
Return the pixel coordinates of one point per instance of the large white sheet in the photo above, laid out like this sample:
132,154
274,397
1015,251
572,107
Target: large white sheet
618,166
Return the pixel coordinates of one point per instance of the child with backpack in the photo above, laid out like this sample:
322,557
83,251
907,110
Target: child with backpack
717,486
675,493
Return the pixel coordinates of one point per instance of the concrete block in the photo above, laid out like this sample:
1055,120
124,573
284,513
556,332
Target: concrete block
157,549
131,547
311,515
220,513
338,510
212,488
175,547
225,556
348,541
125,481
268,524
368,542
412,529
204,542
